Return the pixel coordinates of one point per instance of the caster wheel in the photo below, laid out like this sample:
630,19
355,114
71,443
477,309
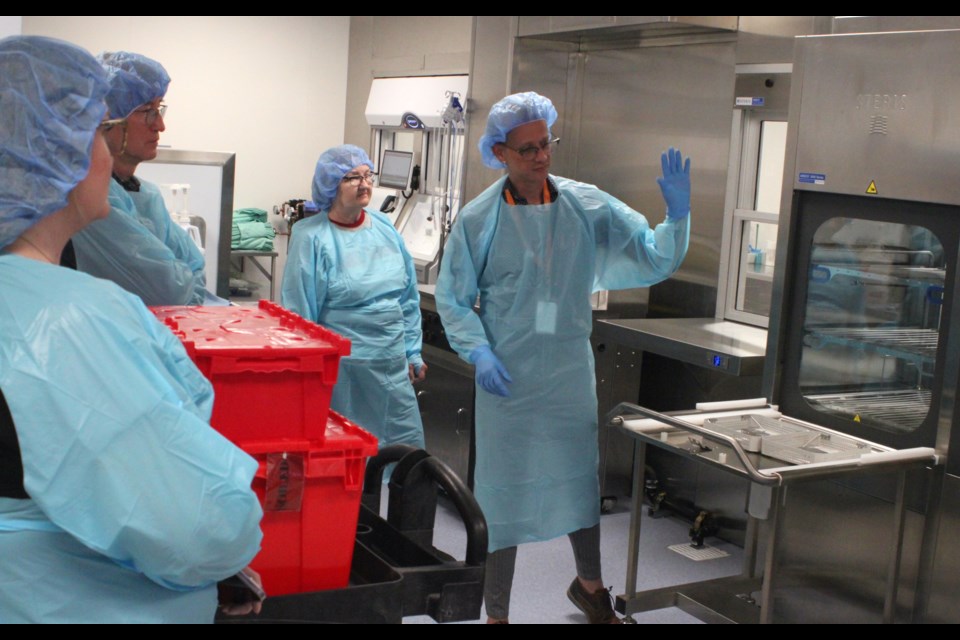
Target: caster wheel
607,504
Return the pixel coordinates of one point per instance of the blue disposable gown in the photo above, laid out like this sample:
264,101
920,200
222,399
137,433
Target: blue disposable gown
534,268
361,283
142,249
137,507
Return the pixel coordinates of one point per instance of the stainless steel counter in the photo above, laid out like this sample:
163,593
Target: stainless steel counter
446,396
427,300
729,347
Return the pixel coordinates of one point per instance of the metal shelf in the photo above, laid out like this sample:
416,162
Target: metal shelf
893,409
893,274
728,347
917,345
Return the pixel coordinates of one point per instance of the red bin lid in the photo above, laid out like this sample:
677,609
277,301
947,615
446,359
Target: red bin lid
261,330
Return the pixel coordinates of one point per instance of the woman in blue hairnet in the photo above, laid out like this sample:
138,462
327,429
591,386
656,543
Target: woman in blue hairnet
118,502
348,269
534,246
139,246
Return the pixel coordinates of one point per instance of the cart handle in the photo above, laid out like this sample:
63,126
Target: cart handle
408,458
373,476
467,506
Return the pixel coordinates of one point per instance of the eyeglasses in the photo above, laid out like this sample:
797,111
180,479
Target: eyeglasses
150,114
530,152
354,180
106,125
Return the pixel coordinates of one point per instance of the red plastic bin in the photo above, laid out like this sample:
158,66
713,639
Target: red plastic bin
311,498
272,371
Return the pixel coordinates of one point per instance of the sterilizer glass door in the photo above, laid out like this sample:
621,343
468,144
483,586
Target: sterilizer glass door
867,319
872,321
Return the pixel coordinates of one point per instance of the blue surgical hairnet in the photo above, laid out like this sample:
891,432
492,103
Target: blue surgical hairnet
51,101
134,79
507,115
333,164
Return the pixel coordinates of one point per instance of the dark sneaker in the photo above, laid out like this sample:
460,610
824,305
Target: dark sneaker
598,607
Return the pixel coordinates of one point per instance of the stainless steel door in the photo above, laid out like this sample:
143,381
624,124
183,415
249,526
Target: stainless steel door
620,108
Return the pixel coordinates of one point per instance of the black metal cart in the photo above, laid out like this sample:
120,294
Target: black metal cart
396,571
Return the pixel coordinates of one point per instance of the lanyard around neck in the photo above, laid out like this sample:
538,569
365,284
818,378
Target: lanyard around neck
508,196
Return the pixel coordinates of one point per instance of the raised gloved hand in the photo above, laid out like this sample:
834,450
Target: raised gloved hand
492,376
675,183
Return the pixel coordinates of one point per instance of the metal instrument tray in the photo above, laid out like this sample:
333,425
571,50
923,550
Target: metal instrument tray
750,430
792,450
814,446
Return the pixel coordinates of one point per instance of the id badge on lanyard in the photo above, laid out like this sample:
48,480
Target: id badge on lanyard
546,320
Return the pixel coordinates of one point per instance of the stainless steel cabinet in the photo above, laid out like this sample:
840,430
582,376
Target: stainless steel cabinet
446,396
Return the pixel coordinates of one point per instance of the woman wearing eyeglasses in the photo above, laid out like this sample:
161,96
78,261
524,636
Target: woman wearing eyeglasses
348,269
118,502
139,246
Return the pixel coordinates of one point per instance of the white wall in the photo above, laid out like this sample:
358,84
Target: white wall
10,25
271,89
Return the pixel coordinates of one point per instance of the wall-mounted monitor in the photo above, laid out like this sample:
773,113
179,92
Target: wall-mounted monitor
396,168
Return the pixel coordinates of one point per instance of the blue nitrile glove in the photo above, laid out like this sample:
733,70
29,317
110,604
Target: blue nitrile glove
675,183
492,376
417,361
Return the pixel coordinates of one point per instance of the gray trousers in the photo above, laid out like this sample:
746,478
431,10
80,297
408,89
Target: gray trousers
501,564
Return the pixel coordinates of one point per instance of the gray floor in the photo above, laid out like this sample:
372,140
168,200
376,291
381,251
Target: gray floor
545,569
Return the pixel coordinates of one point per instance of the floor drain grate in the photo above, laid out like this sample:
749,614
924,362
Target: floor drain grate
703,553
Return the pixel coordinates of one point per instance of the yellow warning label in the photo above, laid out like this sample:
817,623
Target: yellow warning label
872,188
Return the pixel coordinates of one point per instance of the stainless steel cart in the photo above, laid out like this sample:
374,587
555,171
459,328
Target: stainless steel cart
734,599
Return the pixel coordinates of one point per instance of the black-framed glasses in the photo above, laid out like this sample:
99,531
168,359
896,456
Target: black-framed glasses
354,180
151,114
530,152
